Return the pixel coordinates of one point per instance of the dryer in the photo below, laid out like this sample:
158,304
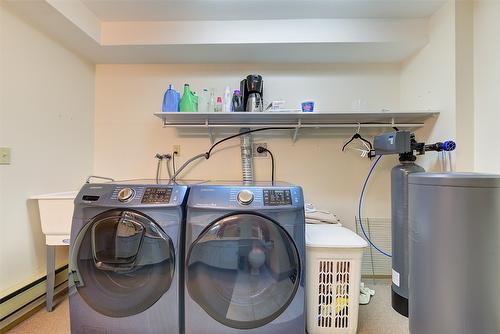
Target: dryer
245,259
124,258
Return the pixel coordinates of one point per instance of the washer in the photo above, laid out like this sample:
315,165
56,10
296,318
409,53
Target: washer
124,258
245,259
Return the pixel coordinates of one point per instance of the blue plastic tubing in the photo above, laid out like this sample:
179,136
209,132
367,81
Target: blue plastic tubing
360,204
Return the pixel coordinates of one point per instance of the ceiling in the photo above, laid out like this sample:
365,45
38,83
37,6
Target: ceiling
234,31
175,10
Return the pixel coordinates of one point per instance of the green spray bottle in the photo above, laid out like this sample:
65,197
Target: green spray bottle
189,101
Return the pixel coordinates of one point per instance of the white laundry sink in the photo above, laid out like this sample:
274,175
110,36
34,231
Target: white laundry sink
56,213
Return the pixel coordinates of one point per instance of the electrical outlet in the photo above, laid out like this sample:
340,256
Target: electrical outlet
176,149
4,155
257,154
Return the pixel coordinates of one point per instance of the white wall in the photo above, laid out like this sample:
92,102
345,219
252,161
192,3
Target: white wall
428,81
486,84
127,135
46,117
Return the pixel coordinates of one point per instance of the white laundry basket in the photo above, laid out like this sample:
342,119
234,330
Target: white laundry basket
333,275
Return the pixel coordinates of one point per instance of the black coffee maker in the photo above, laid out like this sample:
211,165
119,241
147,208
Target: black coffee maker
252,88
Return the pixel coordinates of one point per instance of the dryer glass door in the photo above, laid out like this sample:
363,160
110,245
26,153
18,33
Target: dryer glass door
243,270
125,263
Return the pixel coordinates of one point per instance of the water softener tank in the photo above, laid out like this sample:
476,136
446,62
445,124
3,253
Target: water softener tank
400,257
454,253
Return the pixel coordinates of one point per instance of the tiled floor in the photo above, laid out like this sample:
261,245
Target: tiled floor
374,318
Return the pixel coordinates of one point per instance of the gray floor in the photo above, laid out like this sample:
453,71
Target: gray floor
374,318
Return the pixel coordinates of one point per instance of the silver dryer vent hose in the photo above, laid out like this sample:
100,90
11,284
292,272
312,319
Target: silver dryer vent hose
246,157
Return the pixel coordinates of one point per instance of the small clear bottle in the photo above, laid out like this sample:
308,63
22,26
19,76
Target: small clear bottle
212,106
227,99
219,103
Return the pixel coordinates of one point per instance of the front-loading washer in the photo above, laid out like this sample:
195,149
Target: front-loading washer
245,259
124,258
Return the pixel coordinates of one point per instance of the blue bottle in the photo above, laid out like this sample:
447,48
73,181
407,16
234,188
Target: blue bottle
171,100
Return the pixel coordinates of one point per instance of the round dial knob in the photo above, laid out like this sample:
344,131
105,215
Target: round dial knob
245,197
125,194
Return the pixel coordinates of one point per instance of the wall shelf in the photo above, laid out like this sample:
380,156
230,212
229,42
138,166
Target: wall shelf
295,120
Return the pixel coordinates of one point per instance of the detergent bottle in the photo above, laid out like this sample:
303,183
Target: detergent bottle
171,100
204,101
189,101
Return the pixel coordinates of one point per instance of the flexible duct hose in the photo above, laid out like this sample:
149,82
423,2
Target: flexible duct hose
246,157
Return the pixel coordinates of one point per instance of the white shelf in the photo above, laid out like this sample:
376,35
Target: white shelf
295,120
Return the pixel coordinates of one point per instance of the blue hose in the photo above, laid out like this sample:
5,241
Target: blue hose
361,204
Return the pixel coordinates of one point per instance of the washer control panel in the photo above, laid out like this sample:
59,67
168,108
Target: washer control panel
274,197
156,195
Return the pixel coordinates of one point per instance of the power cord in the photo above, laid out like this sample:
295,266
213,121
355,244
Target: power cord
207,154
173,160
261,149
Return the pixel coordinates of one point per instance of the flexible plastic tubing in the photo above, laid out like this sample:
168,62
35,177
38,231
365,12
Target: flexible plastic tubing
199,156
361,204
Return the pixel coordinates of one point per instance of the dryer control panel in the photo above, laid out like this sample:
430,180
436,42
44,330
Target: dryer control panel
245,197
274,197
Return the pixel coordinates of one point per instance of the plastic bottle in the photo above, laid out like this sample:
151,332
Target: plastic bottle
204,101
227,99
219,103
189,101
171,100
237,103
212,106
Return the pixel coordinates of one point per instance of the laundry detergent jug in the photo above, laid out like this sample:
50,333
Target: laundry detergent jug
189,101
171,100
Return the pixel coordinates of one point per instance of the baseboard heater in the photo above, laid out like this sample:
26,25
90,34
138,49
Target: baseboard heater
22,303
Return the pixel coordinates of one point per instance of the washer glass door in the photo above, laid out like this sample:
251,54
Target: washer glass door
243,270
124,263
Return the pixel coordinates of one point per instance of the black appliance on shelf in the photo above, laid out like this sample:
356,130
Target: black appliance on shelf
252,89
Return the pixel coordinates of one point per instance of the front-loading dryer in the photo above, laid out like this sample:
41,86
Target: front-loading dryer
124,258
245,259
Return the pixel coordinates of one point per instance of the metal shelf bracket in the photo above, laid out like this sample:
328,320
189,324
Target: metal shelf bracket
296,131
211,134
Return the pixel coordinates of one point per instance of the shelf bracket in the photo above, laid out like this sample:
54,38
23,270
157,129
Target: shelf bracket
210,130
296,131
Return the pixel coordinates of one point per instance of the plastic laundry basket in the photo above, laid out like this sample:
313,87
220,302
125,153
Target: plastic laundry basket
333,275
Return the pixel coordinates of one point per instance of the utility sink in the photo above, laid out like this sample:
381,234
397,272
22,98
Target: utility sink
56,213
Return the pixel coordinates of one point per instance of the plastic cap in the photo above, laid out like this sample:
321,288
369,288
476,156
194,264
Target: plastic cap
449,145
